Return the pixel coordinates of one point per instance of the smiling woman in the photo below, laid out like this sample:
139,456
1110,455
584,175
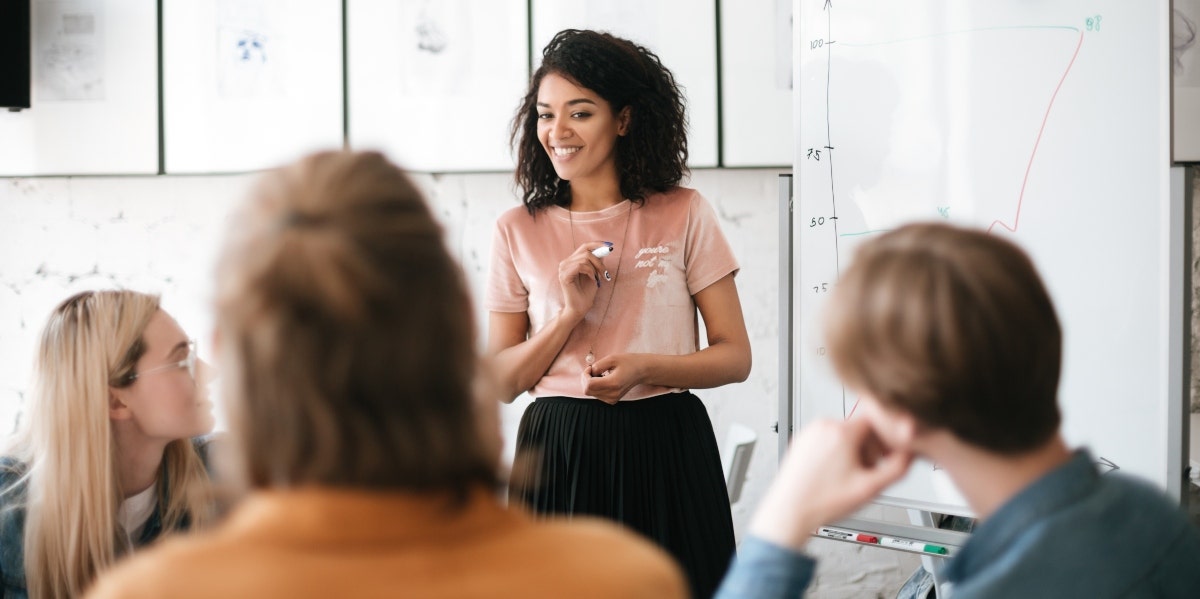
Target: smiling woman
607,341
105,462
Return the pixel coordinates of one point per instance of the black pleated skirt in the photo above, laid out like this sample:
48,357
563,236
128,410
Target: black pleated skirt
650,464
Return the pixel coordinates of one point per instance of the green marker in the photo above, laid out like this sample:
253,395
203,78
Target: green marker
911,546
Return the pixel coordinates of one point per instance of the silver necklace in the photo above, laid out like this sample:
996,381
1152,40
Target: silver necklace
591,356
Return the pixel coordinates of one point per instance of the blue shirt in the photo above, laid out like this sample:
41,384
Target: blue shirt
1072,533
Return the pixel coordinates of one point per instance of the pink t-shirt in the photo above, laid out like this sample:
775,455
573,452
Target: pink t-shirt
673,249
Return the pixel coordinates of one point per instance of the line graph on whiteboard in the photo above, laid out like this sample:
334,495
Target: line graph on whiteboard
1045,123
965,144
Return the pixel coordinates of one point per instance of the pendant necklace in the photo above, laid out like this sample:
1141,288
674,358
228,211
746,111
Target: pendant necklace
591,356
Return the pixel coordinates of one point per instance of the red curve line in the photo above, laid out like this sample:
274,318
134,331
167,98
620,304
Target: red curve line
1028,167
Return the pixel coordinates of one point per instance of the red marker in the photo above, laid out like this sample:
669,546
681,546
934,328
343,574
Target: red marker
847,535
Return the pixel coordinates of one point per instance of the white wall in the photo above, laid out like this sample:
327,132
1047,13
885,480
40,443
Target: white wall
160,234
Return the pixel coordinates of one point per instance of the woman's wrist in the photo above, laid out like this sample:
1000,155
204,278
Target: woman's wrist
648,369
570,318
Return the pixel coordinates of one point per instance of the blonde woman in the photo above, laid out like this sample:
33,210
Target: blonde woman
349,366
105,462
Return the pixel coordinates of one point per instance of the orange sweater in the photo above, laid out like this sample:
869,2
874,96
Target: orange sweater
341,543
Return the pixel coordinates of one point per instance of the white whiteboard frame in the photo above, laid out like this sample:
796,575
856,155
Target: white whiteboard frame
221,114
1173,258
117,134
686,46
478,58
755,103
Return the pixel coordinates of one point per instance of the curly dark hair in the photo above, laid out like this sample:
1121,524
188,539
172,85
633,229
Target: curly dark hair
651,157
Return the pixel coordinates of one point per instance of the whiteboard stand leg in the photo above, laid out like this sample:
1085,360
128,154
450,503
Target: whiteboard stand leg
934,566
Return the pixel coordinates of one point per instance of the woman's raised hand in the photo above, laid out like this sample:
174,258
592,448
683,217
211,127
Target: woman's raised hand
580,276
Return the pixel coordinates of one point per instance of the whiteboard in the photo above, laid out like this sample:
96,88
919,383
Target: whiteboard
249,85
453,71
95,92
756,83
686,46
1047,123
1185,62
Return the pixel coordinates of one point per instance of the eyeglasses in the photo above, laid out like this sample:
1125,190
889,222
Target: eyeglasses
189,363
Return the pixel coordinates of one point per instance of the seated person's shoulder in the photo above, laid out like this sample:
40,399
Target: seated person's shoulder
12,501
575,546
1130,494
206,444
11,471
175,567
209,446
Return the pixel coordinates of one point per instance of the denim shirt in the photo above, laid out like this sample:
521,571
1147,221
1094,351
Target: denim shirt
1076,533
12,522
1072,533
764,569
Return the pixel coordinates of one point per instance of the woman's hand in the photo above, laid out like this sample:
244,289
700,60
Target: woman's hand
579,277
521,355
611,377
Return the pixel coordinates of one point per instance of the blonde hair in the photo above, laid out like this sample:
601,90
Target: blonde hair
90,344
347,338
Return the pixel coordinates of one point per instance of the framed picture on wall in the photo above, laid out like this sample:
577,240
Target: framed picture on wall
94,96
434,84
1185,65
249,85
756,86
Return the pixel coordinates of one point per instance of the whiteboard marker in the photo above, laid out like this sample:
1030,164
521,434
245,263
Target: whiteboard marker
911,545
603,250
846,535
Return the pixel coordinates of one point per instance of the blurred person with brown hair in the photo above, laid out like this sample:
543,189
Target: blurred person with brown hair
951,342
347,346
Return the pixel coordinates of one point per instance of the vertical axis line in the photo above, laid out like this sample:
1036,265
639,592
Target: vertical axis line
837,259
829,135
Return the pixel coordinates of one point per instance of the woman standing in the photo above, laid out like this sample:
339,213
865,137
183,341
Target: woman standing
105,462
594,287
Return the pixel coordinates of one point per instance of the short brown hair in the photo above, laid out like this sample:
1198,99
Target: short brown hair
346,333
954,326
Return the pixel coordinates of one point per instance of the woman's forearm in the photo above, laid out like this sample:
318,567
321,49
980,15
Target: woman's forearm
520,366
718,364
